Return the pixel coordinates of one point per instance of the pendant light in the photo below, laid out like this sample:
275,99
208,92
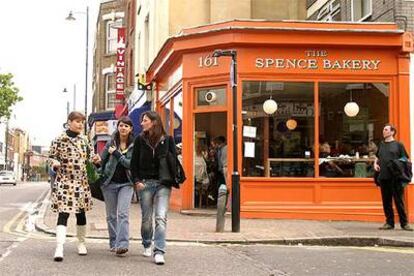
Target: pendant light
291,124
351,108
270,105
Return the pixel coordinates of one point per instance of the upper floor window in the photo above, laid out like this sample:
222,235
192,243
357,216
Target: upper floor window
110,91
330,12
361,9
112,35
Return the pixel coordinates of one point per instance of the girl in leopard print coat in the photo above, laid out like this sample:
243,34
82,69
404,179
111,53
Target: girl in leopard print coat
70,191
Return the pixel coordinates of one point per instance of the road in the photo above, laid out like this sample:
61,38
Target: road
27,252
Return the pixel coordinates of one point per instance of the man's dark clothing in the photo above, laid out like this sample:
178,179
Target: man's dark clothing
391,187
388,151
388,191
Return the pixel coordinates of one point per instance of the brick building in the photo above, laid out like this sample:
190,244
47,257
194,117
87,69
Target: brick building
111,15
398,11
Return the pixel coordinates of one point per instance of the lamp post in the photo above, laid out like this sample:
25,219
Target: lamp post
235,178
74,96
70,17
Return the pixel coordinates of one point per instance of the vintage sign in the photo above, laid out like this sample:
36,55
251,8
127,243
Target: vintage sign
120,66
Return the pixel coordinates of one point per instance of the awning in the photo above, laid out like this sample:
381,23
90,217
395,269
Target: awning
100,116
135,115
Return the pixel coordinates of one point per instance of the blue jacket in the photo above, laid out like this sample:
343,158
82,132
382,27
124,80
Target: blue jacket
110,162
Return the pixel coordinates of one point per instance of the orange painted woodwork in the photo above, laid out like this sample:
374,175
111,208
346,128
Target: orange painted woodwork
287,51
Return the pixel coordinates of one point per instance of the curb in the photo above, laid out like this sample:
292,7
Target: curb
360,241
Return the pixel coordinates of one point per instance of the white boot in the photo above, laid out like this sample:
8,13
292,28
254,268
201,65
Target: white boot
60,241
81,234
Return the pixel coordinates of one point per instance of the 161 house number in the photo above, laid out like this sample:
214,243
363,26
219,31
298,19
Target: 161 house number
207,61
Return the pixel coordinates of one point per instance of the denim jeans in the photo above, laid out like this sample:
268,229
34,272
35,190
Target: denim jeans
154,196
117,202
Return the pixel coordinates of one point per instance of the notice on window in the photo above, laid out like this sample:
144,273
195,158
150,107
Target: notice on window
249,149
249,131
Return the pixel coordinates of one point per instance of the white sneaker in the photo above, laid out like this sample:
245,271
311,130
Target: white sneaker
159,259
147,252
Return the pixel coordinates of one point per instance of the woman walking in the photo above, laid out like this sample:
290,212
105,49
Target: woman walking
70,192
149,146
118,185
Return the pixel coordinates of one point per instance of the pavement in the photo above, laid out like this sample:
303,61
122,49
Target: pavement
199,226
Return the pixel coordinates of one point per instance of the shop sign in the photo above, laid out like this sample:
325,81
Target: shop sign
105,127
317,59
120,65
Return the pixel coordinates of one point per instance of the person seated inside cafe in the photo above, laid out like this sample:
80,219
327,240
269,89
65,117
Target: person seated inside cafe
328,168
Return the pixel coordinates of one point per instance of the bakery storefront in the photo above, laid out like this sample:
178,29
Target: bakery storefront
312,102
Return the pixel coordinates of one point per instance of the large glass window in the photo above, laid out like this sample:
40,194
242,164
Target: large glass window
282,144
352,116
278,144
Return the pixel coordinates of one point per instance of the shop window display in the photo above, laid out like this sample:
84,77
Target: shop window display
278,144
282,144
348,140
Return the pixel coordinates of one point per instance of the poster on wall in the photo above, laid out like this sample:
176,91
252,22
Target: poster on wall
249,149
249,131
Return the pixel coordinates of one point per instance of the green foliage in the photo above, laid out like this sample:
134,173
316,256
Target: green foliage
9,95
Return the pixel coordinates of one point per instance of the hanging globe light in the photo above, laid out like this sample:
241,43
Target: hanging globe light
269,106
291,124
351,109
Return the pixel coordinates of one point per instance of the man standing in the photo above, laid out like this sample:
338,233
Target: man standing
389,150
221,151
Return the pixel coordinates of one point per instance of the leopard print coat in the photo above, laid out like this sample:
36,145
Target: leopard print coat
70,191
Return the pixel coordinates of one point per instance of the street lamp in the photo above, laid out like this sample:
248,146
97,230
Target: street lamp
70,17
65,90
235,178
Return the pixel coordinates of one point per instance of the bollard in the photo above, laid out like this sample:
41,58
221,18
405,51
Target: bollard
221,207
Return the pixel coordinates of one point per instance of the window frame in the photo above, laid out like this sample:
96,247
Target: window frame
108,91
317,109
363,17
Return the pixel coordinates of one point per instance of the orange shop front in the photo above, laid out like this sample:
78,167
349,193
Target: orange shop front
335,86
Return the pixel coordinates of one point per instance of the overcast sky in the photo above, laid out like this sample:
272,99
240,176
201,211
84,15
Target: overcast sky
46,53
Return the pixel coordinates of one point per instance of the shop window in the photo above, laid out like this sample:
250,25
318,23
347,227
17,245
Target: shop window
278,144
165,116
361,9
352,116
178,117
211,96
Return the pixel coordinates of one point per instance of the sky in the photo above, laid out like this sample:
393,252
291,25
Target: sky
46,54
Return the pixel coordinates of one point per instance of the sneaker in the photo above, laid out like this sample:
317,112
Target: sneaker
113,249
121,251
386,227
407,228
147,252
159,259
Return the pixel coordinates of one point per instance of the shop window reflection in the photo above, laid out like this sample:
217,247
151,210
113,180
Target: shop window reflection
178,116
348,142
278,145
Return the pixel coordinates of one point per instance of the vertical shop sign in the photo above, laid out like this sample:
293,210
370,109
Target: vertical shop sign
120,65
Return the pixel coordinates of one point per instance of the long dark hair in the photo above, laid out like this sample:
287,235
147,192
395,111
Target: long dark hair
126,120
157,131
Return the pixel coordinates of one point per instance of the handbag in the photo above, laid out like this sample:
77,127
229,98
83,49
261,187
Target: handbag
95,179
170,171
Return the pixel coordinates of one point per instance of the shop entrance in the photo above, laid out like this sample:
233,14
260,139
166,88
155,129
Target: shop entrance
208,126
